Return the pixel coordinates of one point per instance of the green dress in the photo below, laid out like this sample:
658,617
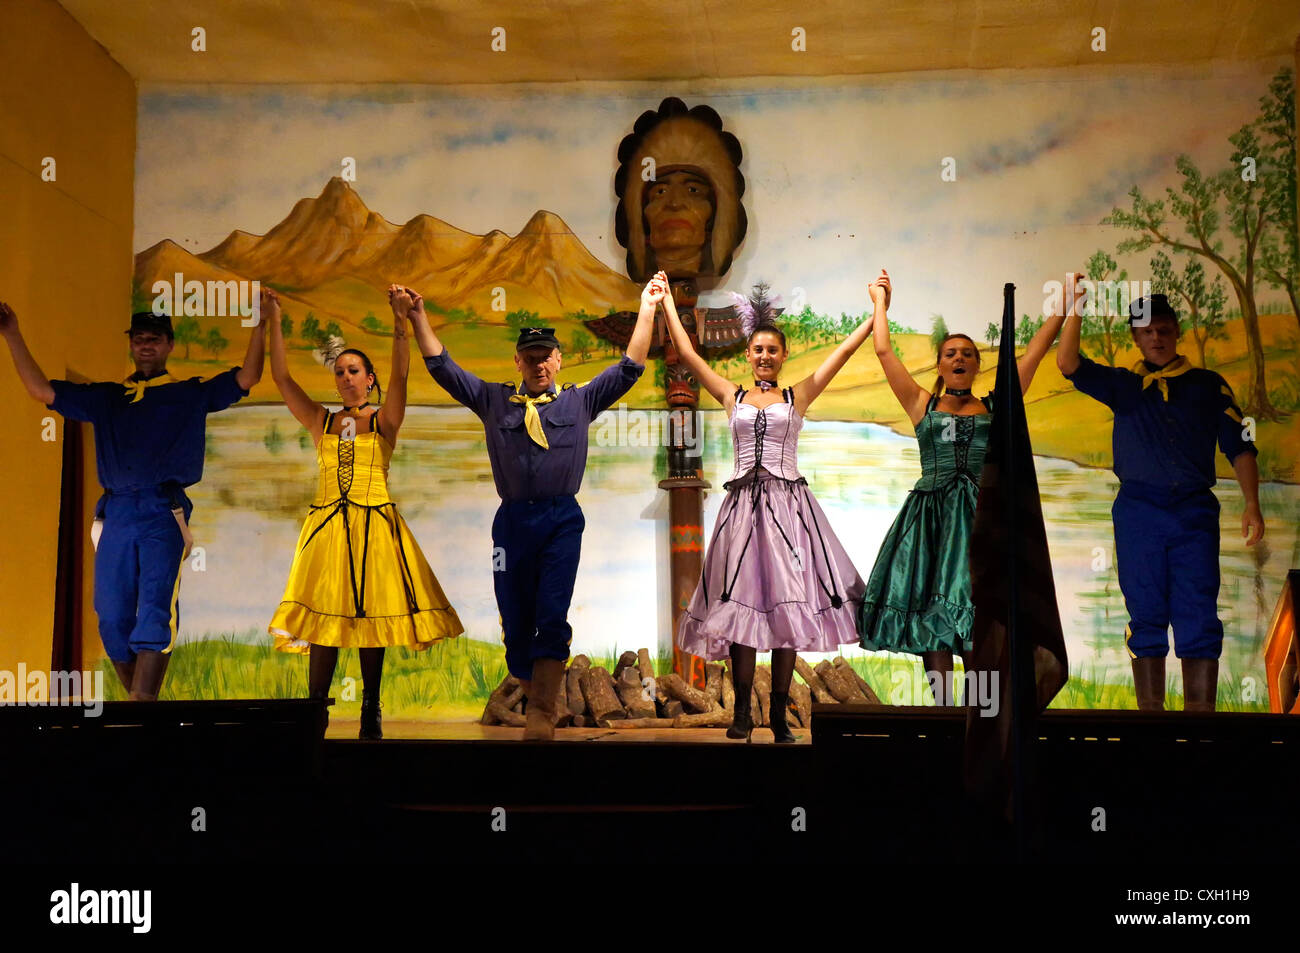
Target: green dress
918,598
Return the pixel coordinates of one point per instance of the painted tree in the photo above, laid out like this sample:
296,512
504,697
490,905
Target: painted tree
1199,207
187,332
1105,313
1203,307
310,331
286,325
1026,328
332,330
1279,249
992,334
938,330
215,342
582,343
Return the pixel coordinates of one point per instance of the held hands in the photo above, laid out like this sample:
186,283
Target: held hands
880,291
269,303
656,290
401,301
1074,294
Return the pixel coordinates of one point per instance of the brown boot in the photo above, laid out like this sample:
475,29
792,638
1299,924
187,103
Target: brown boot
150,667
125,674
540,714
1200,683
1149,683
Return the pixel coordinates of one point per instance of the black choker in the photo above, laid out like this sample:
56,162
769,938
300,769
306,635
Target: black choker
765,385
367,404
958,393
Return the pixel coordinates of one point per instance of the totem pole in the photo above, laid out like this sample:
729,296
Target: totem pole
679,188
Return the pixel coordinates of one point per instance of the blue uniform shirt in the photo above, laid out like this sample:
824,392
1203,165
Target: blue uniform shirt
1164,449
522,469
151,441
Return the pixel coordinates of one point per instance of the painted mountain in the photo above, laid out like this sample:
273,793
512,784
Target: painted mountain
336,256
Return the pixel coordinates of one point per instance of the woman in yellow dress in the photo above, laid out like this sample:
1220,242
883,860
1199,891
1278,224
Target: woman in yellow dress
359,580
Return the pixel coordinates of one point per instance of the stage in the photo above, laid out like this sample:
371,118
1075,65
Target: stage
244,781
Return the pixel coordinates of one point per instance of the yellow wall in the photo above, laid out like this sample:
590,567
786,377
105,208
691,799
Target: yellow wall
65,266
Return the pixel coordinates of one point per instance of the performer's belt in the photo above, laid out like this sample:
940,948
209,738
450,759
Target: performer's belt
531,501
171,491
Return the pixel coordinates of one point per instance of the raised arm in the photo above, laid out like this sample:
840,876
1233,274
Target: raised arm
29,372
306,411
1041,343
808,389
251,370
393,410
429,344
1067,349
723,391
912,397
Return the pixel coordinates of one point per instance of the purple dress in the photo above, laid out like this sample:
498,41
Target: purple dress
775,576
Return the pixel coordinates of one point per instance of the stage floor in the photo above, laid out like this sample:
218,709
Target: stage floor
342,729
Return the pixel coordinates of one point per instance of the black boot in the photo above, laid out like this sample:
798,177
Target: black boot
371,729
742,723
781,733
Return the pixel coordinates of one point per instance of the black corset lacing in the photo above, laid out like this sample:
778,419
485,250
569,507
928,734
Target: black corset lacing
755,482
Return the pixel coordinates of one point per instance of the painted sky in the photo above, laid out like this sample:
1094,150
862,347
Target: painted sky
843,176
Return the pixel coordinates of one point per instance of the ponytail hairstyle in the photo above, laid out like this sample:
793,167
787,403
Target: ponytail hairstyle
939,385
370,368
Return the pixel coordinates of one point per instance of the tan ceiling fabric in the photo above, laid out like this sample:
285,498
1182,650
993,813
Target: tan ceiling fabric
450,41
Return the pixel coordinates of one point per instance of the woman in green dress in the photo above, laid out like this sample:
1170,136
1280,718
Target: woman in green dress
918,599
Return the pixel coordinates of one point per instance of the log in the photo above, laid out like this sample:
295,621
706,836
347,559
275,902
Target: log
717,718
863,686
801,695
673,708
647,669
515,700
632,695
763,676
499,694
602,700
838,685
625,660
713,682
820,693
505,716
583,721
573,684
728,692
849,677
675,687
641,723
764,709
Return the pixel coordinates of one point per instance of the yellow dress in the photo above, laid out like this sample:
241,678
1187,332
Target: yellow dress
359,579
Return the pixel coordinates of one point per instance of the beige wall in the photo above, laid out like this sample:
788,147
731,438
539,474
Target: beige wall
65,266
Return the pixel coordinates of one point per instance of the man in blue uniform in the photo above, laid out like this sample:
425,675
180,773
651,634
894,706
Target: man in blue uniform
537,445
1168,417
149,442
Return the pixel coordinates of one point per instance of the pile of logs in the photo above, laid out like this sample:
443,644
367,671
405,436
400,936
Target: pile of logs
632,696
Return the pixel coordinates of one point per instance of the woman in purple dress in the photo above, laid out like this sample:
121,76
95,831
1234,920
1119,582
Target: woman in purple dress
775,577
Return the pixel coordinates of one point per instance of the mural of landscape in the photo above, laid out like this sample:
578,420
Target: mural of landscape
505,219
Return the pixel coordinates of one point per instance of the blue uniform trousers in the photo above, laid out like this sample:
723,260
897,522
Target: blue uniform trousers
535,565
138,573
1167,557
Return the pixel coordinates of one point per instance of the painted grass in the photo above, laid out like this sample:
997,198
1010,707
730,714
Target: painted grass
451,681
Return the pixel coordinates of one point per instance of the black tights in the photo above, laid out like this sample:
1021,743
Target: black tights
941,663
743,661
324,658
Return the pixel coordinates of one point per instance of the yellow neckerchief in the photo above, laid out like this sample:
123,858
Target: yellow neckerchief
1174,368
139,387
532,419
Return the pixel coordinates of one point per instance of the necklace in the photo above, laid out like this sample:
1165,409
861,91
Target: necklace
958,393
765,385
367,404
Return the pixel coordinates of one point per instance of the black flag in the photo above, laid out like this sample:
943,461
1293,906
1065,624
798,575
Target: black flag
1017,629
